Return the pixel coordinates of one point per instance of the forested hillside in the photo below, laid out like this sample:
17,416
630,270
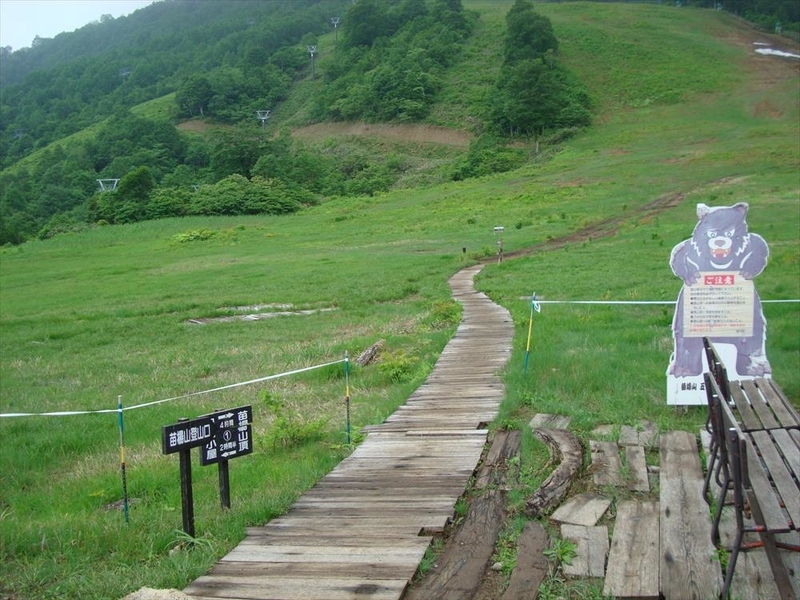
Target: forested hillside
66,117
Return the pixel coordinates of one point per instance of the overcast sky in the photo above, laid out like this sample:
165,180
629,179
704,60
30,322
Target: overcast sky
22,20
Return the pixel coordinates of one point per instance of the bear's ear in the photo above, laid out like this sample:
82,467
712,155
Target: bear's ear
741,207
702,210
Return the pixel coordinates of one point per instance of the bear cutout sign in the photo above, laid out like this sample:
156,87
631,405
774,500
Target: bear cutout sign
717,300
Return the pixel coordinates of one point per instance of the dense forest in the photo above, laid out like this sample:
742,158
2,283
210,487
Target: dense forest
66,118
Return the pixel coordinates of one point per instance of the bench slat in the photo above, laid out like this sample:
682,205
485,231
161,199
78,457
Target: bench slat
768,420
780,404
748,417
774,517
790,449
795,433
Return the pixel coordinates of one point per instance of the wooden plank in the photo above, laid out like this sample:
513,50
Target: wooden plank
637,469
291,588
591,549
784,411
549,421
633,560
689,565
532,565
645,434
606,463
759,404
768,501
748,418
582,509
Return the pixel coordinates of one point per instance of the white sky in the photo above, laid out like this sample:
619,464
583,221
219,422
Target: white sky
22,20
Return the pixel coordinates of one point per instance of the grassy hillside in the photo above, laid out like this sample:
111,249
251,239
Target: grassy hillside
687,112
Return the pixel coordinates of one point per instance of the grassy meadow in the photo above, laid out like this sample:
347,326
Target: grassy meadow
685,110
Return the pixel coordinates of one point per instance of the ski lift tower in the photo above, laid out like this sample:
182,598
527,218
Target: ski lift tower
335,22
312,50
498,231
263,115
107,185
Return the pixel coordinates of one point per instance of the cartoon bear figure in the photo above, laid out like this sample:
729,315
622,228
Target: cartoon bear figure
720,242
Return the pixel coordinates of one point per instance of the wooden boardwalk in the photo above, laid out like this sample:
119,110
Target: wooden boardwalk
363,529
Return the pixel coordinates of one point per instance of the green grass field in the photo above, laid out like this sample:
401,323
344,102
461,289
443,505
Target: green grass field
684,110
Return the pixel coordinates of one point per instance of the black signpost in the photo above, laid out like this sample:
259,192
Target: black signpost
222,435
232,438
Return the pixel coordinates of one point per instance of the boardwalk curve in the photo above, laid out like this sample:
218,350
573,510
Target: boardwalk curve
363,529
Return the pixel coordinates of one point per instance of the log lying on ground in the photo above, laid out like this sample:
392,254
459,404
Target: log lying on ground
565,446
462,565
368,355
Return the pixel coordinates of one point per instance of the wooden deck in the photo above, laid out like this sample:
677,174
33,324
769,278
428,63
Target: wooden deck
364,528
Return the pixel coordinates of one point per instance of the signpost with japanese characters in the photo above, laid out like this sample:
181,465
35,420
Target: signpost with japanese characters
718,300
232,436
719,305
221,436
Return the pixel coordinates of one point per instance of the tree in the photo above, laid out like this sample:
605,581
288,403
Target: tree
132,194
194,95
365,22
529,35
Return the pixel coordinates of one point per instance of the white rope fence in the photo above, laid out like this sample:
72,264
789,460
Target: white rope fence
528,298
68,413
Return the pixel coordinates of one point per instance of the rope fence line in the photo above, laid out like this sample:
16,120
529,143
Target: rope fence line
120,409
527,298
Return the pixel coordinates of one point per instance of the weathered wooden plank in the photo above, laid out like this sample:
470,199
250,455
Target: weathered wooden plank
582,509
591,549
689,566
549,421
759,404
771,506
747,415
786,414
290,588
633,560
645,434
637,469
532,566
606,463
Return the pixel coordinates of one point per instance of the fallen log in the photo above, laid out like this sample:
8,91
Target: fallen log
368,355
565,447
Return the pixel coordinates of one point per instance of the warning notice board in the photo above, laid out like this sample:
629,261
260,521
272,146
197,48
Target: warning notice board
719,305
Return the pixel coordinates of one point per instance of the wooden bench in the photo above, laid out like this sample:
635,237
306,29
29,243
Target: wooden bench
759,404
755,453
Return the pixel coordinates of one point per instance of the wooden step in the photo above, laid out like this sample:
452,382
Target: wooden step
637,469
591,550
633,561
582,509
689,564
606,464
